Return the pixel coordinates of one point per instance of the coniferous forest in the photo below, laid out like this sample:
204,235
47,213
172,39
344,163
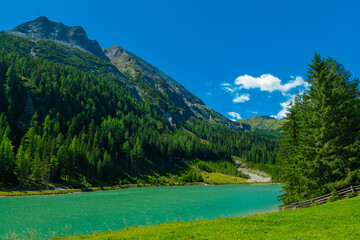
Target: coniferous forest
63,121
320,148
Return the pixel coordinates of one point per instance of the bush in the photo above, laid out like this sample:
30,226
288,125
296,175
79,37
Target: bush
351,195
123,181
85,183
334,196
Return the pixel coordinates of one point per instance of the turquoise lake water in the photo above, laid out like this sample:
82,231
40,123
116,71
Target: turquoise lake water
112,210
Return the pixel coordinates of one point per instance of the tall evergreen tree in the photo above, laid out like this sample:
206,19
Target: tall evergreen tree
322,133
7,160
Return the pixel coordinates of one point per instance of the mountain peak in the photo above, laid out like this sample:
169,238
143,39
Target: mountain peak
44,29
42,19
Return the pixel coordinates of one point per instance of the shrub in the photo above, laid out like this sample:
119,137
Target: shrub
85,183
351,195
334,196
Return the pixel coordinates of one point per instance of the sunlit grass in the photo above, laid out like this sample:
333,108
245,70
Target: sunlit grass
219,178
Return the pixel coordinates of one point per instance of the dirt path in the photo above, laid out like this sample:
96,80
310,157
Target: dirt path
256,176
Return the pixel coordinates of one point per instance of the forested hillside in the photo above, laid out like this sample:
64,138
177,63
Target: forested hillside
264,125
320,148
67,117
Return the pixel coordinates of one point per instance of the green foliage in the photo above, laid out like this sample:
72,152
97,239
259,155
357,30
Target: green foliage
351,195
320,144
191,177
334,196
71,56
249,146
7,159
70,120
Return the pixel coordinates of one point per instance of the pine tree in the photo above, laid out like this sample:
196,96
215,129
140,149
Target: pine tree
37,168
23,165
321,137
7,161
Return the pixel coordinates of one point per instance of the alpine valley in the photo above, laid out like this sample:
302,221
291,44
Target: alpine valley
79,115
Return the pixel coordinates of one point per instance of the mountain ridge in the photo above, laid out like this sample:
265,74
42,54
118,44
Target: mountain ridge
43,29
146,82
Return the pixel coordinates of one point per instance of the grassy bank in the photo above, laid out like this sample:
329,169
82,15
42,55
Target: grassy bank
338,220
220,178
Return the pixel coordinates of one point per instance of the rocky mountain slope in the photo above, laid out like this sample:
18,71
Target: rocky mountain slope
155,86
144,81
44,29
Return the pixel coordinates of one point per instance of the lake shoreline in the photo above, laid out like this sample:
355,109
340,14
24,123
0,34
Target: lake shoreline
27,193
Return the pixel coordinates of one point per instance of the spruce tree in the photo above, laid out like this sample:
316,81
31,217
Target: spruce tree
321,137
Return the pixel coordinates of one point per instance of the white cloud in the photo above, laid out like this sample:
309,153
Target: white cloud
284,111
241,98
250,111
209,93
268,82
229,88
235,116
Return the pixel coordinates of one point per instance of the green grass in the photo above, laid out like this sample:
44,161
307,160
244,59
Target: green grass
41,192
65,191
263,122
338,220
219,178
264,125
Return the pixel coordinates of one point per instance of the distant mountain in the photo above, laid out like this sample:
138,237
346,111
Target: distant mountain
264,124
44,29
142,79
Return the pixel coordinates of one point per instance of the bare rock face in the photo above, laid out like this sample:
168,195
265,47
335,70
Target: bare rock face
44,29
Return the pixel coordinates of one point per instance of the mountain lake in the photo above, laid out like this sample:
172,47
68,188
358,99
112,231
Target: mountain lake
85,213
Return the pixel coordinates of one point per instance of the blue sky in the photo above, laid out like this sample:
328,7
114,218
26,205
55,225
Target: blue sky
239,57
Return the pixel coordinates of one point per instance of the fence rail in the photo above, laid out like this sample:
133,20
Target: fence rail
322,199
